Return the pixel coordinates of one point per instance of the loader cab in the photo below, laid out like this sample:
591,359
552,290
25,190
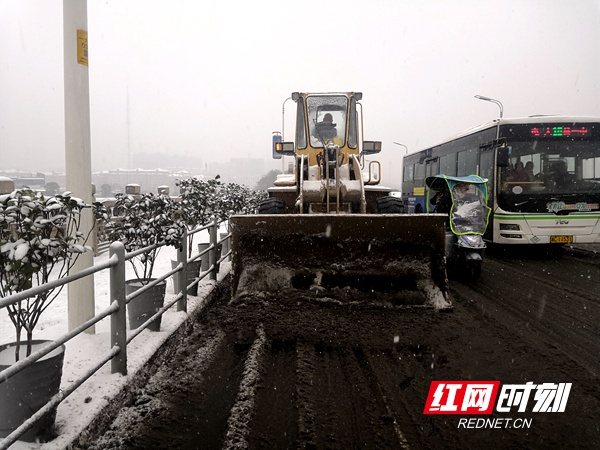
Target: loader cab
327,117
322,119
329,153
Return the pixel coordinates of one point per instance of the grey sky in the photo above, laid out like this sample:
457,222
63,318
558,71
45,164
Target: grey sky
209,78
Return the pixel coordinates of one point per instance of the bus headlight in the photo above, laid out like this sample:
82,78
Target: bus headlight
510,227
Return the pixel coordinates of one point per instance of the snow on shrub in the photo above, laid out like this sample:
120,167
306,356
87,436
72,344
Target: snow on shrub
143,221
39,236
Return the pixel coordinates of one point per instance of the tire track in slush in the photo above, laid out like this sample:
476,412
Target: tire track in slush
238,424
313,391
368,365
354,404
276,415
304,388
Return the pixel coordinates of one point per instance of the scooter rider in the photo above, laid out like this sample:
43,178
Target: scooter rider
464,200
442,201
468,208
463,192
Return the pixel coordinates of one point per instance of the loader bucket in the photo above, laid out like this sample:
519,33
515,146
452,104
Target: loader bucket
391,259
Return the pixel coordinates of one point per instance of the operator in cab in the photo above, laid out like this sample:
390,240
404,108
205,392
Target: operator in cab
325,129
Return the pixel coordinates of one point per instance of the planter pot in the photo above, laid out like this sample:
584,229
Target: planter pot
205,257
146,305
193,270
26,392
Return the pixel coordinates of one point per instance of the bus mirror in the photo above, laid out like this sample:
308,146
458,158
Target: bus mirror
502,158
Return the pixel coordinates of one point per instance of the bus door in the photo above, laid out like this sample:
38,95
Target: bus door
414,193
486,170
432,167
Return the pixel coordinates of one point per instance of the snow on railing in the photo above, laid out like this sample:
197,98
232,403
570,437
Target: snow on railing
117,310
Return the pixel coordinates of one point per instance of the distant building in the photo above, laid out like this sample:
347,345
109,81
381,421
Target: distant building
149,180
244,171
34,180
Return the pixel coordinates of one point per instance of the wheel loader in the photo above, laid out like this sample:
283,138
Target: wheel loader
329,230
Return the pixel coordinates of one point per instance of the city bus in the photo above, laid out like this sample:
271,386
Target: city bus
555,202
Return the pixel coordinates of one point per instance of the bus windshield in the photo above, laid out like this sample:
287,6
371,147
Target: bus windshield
543,172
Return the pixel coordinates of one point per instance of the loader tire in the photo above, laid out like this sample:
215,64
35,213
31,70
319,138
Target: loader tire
272,206
390,205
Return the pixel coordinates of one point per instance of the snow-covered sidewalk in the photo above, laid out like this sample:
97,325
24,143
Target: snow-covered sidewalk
78,410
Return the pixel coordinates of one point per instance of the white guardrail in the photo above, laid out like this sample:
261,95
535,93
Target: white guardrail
119,338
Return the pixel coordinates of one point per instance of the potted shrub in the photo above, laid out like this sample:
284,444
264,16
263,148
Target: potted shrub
144,221
197,205
39,237
231,199
237,199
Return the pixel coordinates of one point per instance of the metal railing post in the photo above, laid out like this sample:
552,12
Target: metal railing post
182,257
118,320
212,254
225,244
225,239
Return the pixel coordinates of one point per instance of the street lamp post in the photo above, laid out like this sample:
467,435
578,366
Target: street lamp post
402,145
283,117
497,102
283,131
406,153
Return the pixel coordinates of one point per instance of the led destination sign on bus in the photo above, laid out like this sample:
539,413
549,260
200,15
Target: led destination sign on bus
559,131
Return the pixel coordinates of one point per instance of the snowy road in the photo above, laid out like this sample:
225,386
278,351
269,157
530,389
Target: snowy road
288,372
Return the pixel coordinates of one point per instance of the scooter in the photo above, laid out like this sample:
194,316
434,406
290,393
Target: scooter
468,219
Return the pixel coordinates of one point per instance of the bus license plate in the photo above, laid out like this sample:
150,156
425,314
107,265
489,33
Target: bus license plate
561,239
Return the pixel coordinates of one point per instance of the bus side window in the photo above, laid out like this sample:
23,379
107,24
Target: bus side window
448,164
467,162
486,164
419,171
408,172
432,168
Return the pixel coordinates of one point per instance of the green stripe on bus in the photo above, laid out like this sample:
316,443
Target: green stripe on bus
552,217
